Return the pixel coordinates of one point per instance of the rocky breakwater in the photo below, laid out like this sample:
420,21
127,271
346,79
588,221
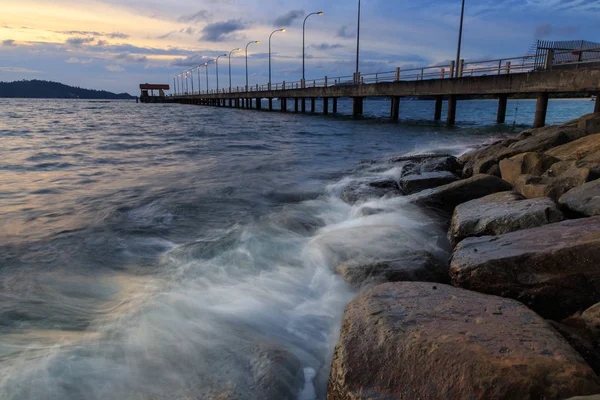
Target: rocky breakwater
520,317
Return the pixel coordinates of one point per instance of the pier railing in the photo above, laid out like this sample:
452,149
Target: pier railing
514,65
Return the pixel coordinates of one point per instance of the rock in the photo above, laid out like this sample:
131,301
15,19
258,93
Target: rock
416,183
525,163
501,213
543,186
361,191
584,199
594,397
590,123
582,341
414,165
578,149
546,138
277,374
447,197
480,161
426,341
554,269
414,266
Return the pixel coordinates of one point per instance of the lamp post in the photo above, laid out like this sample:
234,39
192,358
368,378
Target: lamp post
357,44
304,41
238,49
217,63
460,32
192,79
256,42
174,85
206,68
272,33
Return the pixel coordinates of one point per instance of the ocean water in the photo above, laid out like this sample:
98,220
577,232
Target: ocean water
184,252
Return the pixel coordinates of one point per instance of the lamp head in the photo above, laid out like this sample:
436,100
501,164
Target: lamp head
257,42
320,13
282,30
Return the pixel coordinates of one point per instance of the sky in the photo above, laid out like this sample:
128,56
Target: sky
117,44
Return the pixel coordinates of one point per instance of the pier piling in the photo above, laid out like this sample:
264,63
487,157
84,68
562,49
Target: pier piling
334,105
357,106
502,102
439,102
325,105
313,104
597,107
270,104
395,114
296,104
303,105
451,110
541,110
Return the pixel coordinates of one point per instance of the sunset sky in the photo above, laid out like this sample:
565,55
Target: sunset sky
117,44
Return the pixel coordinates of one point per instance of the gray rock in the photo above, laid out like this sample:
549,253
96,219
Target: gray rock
416,183
482,160
447,197
432,341
428,163
413,266
545,139
584,199
554,269
501,213
362,191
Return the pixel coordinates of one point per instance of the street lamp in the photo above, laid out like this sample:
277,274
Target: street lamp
357,43
256,42
174,85
217,61
272,33
199,84
238,49
460,31
304,41
192,79
187,86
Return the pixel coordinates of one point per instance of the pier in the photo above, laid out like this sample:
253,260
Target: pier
532,76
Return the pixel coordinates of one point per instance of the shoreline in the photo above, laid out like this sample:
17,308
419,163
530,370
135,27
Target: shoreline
523,222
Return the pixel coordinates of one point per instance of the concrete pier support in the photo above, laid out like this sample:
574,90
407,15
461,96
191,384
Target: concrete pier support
439,102
313,104
357,106
283,101
259,104
325,105
502,102
270,104
451,110
541,109
395,113
597,107
303,105
296,104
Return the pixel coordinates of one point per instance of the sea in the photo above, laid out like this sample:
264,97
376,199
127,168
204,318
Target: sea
165,251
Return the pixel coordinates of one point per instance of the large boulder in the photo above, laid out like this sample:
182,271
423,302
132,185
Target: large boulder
412,266
578,149
554,269
359,191
426,341
501,213
418,182
584,199
482,160
447,197
525,163
546,138
420,164
590,123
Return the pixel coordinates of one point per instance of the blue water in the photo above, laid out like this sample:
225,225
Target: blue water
168,251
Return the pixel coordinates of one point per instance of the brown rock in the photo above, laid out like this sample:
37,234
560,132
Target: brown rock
480,161
578,149
425,341
418,266
447,197
533,187
554,269
584,199
544,139
594,397
590,123
580,340
501,213
525,163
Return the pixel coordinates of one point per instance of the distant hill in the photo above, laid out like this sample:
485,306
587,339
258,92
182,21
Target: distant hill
36,89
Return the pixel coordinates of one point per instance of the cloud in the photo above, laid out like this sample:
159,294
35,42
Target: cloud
343,32
131,58
101,43
74,60
79,41
18,70
118,35
200,16
81,33
8,43
191,61
115,68
546,30
327,46
288,18
222,31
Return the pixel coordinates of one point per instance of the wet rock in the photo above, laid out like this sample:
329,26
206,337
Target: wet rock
578,149
554,269
584,199
594,397
544,186
362,191
525,163
481,161
277,374
590,123
447,197
414,165
416,183
581,340
546,138
501,213
412,266
432,341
